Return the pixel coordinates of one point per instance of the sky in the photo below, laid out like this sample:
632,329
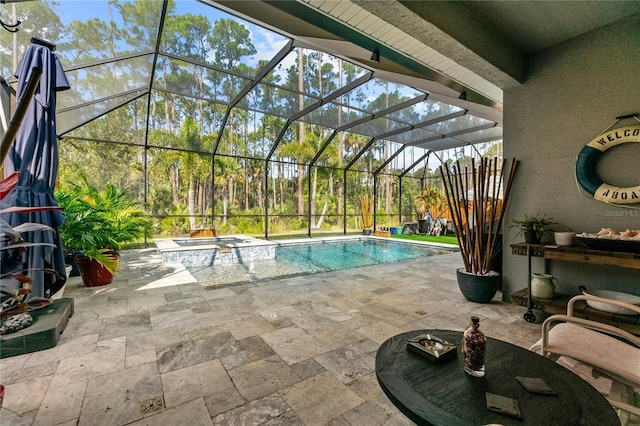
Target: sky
267,43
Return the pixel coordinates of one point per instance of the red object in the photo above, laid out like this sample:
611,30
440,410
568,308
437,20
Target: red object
93,273
1,395
8,183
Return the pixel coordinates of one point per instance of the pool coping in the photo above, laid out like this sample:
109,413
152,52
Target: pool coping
307,240
169,244
166,244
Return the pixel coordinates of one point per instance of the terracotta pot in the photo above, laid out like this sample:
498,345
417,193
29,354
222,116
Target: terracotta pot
92,272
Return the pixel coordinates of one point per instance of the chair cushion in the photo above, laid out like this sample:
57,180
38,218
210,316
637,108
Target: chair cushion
619,360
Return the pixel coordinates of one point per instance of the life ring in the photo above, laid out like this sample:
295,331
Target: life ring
586,165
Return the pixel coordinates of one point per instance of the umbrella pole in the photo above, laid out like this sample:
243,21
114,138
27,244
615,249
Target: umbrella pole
21,110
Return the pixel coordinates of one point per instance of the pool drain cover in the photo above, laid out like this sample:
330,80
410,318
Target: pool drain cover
152,405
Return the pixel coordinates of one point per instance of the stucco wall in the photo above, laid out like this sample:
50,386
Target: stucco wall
573,92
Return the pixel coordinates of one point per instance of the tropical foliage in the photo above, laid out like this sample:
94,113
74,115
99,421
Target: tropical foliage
431,200
366,211
98,224
533,227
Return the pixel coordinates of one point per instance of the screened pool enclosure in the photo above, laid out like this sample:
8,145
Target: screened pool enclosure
211,120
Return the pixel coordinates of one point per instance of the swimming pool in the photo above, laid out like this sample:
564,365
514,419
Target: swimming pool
310,257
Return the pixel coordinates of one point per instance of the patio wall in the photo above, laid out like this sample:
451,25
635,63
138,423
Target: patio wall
572,93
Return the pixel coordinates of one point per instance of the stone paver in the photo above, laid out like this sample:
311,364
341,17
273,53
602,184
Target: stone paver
294,351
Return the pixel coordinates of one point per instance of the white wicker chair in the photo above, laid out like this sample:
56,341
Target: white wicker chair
610,351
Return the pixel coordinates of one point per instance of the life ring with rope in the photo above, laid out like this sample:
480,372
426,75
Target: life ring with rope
586,164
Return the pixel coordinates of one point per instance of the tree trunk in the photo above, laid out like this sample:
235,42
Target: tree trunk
300,132
191,203
201,209
281,183
313,197
246,184
224,209
166,100
231,191
340,136
153,111
324,211
387,178
259,190
173,179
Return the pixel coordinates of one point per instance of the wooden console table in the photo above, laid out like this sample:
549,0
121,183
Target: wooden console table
558,304
579,255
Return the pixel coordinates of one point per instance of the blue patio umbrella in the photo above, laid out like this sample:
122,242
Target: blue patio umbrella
34,154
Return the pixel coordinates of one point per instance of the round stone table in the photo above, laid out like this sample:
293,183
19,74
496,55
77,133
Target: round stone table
443,394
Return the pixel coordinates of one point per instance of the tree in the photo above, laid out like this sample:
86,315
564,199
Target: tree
230,41
37,17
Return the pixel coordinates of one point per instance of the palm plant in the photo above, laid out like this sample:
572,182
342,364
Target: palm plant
85,231
366,210
98,223
430,199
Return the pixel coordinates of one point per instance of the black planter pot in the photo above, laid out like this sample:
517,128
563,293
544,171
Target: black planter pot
532,238
366,231
478,288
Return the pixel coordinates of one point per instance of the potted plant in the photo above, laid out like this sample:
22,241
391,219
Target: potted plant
422,202
97,224
430,200
533,227
366,210
477,200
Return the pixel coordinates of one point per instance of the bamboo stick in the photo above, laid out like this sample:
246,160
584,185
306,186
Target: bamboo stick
488,210
455,212
491,238
463,191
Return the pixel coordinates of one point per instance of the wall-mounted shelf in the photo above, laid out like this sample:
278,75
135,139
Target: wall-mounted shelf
579,255
558,304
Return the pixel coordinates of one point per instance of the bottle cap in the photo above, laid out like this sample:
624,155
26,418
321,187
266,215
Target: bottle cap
475,320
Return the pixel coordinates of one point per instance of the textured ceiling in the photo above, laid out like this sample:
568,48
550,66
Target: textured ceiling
531,26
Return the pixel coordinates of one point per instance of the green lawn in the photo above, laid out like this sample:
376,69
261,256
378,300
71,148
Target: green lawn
448,239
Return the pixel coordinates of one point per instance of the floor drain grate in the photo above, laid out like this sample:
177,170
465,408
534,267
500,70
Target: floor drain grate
152,405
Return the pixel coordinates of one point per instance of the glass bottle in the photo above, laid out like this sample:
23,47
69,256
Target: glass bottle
474,342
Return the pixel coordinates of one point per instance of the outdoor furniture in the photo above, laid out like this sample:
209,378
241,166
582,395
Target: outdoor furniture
443,394
610,351
410,228
202,233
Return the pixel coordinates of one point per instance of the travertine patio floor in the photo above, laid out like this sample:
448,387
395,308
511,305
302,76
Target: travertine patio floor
296,351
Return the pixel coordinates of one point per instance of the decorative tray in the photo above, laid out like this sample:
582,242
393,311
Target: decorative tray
610,244
432,347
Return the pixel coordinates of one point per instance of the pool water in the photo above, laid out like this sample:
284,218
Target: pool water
314,257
